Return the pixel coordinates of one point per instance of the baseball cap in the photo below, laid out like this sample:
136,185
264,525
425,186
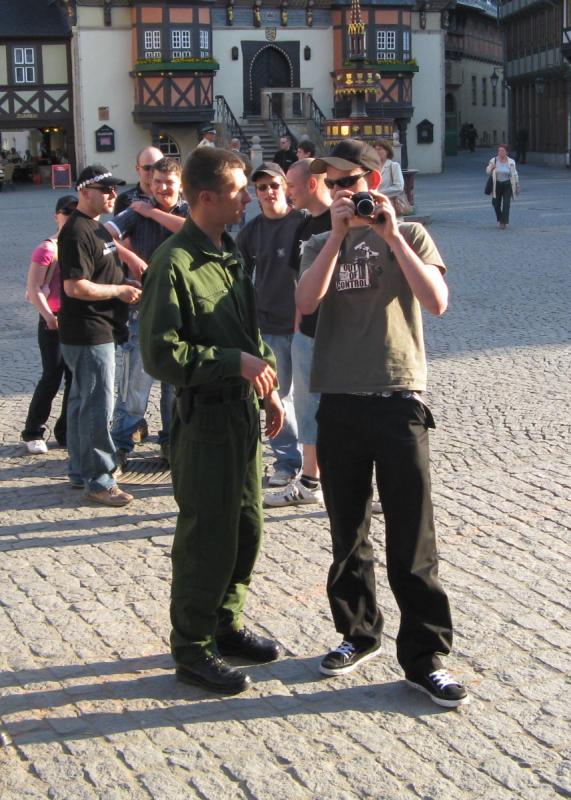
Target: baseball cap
268,168
66,204
348,154
97,175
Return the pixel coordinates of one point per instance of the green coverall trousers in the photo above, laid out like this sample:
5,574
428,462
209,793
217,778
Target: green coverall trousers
216,469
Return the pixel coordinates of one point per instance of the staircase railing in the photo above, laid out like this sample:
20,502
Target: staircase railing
317,115
225,116
280,128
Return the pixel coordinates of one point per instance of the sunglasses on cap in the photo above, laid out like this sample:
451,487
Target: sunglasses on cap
346,182
263,187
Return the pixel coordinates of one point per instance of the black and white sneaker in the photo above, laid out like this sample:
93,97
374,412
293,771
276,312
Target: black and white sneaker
346,658
442,688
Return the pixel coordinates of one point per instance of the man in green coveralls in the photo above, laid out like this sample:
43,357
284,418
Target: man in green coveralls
199,333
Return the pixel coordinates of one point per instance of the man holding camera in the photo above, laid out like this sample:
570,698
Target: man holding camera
370,278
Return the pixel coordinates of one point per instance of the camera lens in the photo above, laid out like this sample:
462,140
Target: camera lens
364,204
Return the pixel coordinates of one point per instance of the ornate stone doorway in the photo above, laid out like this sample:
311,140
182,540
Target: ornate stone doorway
268,65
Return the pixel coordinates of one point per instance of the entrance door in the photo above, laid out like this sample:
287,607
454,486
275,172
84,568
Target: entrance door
270,67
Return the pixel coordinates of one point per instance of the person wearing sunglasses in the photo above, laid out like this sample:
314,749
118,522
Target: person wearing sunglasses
144,162
371,277
269,244
92,319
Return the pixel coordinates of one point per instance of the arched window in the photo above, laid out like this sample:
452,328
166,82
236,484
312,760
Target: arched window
168,146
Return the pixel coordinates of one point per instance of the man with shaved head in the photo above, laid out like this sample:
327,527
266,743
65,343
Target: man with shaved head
143,166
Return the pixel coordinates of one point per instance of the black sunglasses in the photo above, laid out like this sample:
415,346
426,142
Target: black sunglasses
346,182
103,189
146,167
263,187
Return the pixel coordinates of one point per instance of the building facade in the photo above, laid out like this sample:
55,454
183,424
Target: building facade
537,69
36,94
474,56
155,71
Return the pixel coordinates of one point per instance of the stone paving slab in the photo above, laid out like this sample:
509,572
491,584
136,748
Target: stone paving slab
89,707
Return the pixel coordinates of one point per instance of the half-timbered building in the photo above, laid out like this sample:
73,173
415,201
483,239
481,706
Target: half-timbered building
36,97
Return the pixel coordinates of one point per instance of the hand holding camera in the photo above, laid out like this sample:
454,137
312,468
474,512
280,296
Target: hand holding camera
364,203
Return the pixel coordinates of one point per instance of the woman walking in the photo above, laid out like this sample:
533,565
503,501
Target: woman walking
505,184
44,291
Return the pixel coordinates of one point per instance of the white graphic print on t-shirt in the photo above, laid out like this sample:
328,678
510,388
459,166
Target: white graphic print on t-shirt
358,274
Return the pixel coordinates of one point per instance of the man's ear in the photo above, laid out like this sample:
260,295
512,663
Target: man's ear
206,197
374,179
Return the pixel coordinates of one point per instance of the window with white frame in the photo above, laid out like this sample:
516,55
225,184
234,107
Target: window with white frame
204,43
24,65
405,45
386,45
152,44
181,43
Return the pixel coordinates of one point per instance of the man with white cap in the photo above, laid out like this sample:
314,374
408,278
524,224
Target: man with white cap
371,277
208,133
92,319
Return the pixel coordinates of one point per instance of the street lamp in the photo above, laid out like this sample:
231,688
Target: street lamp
540,84
494,79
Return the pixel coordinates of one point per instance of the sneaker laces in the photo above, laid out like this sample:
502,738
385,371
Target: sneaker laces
345,649
442,678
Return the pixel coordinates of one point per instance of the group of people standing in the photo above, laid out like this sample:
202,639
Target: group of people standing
309,289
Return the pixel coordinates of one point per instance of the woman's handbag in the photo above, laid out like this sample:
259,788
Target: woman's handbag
489,187
402,206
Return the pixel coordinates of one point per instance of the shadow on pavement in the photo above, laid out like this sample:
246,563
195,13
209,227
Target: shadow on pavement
183,704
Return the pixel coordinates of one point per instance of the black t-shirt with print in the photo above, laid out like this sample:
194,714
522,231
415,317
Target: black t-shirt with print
87,250
314,225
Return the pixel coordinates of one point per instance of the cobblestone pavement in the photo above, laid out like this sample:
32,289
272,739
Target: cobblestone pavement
89,705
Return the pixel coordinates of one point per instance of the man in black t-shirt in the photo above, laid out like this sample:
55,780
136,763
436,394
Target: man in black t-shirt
306,191
92,318
269,245
285,156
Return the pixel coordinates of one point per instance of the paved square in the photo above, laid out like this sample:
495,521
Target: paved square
88,703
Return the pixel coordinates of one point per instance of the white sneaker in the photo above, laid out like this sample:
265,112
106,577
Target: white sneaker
280,477
297,495
36,447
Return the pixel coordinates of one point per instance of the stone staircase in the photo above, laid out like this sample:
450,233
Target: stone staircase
256,126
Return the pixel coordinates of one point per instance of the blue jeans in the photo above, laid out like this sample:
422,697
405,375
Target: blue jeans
89,410
285,445
134,388
306,403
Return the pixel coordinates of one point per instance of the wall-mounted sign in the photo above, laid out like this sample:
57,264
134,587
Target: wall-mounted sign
425,132
104,139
